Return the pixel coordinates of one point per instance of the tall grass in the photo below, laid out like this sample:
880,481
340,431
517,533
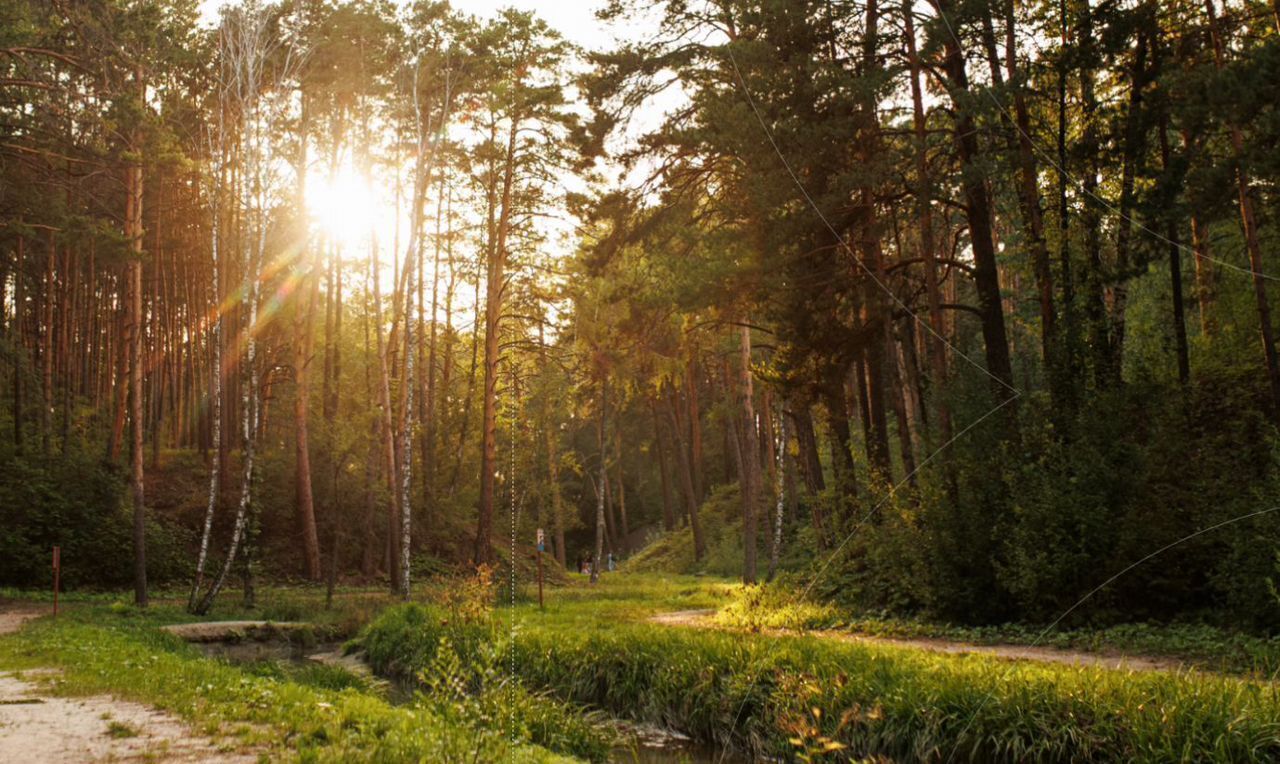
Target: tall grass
462,669
786,696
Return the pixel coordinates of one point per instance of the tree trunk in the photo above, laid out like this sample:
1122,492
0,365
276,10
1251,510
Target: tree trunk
898,400
695,428
624,542
660,447
1250,226
869,374
807,444
602,484
841,439
47,330
748,455
215,400
386,427
1029,201
780,498
1175,268
978,213
19,300
495,286
1203,270
686,476
302,392
1132,163
407,420
557,501
133,234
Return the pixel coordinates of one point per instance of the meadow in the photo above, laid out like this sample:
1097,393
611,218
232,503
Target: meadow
463,680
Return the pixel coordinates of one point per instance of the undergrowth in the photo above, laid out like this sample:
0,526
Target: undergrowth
805,696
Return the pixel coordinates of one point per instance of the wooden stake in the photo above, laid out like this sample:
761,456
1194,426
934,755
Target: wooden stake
57,571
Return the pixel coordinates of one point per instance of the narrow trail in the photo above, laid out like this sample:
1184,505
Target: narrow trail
12,616
701,619
37,726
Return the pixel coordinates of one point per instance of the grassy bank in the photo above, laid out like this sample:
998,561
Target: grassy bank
785,696
782,606
284,712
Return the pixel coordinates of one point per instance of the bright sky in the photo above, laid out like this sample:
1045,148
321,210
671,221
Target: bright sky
347,207
575,19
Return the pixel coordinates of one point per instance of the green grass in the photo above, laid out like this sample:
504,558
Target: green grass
352,607
786,696
779,606
308,714
120,730
593,651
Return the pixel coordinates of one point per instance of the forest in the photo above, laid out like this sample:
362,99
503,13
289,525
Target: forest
844,324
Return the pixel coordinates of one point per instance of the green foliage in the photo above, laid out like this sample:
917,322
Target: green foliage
119,730
1037,531
672,552
779,604
1086,509
76,502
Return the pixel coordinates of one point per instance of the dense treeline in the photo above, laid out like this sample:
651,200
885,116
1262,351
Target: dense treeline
963,306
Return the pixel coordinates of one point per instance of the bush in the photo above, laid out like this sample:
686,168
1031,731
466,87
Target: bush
76,502
1028,529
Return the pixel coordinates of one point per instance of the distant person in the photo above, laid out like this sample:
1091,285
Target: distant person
613,564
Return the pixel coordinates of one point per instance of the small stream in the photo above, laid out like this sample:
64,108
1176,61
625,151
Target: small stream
651,744
646,743
252,651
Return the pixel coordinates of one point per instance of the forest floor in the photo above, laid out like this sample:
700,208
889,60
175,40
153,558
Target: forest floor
36,725
704,619
107,680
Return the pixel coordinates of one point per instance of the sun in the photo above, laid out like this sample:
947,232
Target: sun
343,205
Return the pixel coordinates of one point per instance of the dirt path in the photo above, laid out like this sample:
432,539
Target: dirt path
702,619
13,616
38,727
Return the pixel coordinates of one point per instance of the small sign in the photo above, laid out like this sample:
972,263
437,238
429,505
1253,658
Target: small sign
542,541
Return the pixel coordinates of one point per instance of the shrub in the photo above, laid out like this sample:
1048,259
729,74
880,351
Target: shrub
76,502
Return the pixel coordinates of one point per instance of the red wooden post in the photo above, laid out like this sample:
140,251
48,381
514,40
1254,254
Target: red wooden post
541,545
57,571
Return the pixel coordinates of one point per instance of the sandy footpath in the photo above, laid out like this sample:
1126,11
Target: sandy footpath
40,728
1116,661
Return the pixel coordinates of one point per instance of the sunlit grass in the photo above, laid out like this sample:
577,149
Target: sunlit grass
785,696
596,647
307,713
782,606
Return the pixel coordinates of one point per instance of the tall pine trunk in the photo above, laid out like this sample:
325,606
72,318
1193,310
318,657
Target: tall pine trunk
133,233
302,391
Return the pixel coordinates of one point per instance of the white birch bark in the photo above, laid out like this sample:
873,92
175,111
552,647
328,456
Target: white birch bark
215,387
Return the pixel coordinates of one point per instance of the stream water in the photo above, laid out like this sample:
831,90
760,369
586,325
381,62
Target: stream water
649,744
